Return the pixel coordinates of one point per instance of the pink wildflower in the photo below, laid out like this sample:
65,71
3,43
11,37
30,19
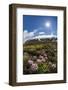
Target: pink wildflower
46,58
41,57
43,60
34,67
45,55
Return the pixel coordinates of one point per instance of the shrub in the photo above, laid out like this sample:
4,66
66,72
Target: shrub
43,68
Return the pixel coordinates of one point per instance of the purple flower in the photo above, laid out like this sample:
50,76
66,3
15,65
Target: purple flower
41,57
43,60
46,58
34,67
45,55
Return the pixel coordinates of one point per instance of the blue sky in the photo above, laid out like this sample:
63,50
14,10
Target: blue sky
37,25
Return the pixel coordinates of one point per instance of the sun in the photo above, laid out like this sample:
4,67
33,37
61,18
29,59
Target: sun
47,24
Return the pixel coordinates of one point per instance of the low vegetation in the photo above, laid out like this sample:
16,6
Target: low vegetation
40,57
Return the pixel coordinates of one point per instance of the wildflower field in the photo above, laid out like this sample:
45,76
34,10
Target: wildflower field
40,57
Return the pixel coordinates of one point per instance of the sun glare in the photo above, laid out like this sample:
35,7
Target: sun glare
47,24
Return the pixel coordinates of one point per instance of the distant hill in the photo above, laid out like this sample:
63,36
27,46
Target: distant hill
41,37
39,41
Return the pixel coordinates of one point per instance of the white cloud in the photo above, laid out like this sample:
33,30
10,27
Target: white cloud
29,35
32,34
25,35
41,32
35,30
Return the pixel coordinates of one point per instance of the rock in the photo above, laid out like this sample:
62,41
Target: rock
34,58
38,52
30,62
39,61
26,54
54,65
55,49
42,52
30,57
50,63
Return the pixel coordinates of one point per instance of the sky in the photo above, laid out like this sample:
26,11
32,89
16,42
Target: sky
39,25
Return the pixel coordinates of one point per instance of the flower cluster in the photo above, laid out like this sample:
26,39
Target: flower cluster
35,60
